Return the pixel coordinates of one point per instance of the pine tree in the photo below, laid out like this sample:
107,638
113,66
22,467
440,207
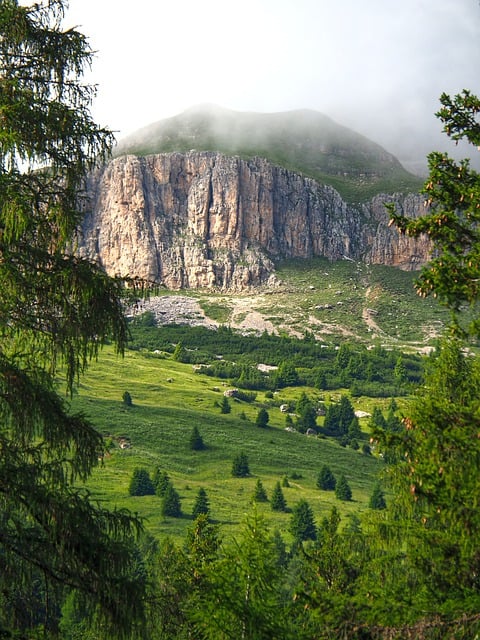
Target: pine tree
260,495
171,505
56,308
277,501
196,440
240,467
343,490
201,505
302,523
141,483
326,480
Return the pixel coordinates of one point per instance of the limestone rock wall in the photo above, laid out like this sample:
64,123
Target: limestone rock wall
205,220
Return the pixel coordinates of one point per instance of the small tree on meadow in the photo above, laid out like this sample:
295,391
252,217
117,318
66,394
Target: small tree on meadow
201,505
141,484
127,399
225,405
302,523
240,468
262,418
260,495
171,505
377,499
326,480
196,440
278,502
343,490
160,482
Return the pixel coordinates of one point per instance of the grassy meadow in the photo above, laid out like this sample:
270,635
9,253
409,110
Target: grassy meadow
169,398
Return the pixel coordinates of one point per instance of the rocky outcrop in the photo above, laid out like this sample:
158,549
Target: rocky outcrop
205,220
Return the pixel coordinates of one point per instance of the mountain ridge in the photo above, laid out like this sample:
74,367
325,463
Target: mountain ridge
303,140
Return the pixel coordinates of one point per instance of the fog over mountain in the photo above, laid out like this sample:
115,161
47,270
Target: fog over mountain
378,67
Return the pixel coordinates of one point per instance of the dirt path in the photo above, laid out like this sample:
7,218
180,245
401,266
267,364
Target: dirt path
367,314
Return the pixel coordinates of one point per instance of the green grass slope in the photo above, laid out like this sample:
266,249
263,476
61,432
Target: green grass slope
169,398
304,141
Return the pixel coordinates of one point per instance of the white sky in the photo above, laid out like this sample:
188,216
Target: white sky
377,66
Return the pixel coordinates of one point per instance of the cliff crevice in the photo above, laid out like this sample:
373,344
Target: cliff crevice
206,220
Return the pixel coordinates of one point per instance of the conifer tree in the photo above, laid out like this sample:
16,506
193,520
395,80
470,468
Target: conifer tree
196,440
302,523
225,405
277,501
262,418
240,466
160,481
326,480
201,505
377,499
55,309
141,483
343,490
260,495
171,505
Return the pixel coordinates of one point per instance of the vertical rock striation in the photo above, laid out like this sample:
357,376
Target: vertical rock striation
206,220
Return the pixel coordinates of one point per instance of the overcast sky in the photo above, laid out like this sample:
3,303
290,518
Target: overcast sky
377,66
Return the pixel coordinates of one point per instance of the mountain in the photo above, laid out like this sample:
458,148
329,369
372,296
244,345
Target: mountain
302,141
204,219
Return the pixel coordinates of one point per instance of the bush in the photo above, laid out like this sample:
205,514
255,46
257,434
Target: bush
127,399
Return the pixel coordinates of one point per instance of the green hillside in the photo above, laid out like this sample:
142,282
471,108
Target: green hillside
169,398
304,141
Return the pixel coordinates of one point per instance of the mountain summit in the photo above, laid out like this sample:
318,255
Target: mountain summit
303,141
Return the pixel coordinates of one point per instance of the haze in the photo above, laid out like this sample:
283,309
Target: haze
377,66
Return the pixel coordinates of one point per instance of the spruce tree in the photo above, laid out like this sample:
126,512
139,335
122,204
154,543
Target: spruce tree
160,481
127,399
302,523
277,501
326,480
240,467
196,440
225,405
260,495
262,418
201,505
343,490
141,483
56,309
171,505
377,499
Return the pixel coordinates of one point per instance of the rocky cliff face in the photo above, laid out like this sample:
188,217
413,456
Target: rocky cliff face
205,220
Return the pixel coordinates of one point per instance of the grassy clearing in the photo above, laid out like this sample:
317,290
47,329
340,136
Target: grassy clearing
168,400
